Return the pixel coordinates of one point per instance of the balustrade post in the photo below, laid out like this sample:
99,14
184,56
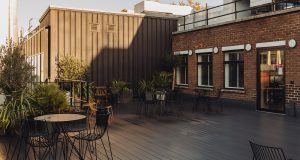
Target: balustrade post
206,13
235,9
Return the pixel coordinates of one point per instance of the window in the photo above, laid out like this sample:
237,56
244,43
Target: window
205,69
234,70
181,71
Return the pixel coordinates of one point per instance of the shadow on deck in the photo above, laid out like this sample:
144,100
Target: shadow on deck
204,136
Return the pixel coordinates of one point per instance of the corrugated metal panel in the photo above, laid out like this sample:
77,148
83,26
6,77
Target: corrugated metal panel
116,46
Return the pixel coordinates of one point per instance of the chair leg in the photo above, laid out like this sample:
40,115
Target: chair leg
104,148
8,149
95,148
20,145
109,144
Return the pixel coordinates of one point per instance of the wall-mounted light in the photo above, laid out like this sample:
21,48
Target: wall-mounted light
292,43
216,50
248,47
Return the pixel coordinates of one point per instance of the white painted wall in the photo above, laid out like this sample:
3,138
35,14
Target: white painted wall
254,3
230,8
151,6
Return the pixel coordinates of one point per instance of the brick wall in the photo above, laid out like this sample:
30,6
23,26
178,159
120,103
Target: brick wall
283,26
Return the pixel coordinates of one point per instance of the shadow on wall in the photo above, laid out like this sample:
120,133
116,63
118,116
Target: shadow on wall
130,50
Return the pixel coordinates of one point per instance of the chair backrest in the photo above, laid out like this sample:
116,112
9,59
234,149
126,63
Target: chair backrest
102,117
261,152
31,128
101,94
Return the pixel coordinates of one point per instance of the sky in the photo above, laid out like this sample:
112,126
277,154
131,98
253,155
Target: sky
35,8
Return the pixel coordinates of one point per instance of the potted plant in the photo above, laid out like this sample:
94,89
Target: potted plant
147,88
162,82
121,89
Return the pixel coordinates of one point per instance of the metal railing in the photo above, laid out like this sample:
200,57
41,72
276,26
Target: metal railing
207,13
79,90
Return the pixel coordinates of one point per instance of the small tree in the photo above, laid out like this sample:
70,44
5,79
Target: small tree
15,71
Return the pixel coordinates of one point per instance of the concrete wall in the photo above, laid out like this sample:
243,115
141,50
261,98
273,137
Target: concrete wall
151,6
254,3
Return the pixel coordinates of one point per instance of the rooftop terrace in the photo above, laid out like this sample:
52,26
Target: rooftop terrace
202,136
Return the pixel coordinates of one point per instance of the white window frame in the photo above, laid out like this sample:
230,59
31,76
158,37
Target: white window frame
199,71
226,71
178,73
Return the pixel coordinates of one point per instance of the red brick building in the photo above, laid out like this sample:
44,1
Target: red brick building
254,59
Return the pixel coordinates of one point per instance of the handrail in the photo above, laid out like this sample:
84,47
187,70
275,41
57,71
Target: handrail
235,12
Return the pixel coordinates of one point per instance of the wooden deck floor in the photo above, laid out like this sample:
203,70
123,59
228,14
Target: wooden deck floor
200,136
203,136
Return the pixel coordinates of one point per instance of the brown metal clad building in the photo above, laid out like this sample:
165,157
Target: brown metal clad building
122,46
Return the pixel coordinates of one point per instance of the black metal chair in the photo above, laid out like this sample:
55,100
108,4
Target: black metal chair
215,102
90,136
149,99
174,99
201,96
39,136
261,152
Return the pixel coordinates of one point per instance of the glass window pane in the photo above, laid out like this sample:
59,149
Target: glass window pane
210,75
233,56
204,69
182,75
204,76
241,75
233,75
226,75
240,57
199,58
204,58
199,75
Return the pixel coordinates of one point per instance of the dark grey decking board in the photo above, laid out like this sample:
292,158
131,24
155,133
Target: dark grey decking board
205,136
199,136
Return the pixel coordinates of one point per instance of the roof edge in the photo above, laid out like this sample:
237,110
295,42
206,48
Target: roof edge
98,11
271,14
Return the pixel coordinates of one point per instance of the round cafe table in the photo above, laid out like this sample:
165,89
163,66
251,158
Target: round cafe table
57,118
63,121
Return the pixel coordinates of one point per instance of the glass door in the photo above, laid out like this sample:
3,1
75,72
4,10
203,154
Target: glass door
271,81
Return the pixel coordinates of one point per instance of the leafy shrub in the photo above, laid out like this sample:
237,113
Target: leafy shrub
50,98
119,86
163,80
144,86
72,68
18,106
